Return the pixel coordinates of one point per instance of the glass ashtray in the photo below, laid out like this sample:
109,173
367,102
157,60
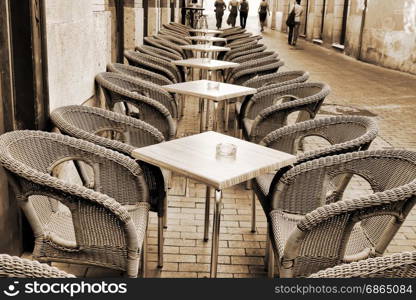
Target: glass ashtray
213,85
226,150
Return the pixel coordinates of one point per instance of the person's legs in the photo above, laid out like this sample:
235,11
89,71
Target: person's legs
245,19
296,33
219,20
242,19
289,38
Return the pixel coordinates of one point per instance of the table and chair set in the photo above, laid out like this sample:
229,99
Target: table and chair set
121,155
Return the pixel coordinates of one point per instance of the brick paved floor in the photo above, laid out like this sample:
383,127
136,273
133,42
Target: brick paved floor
357,88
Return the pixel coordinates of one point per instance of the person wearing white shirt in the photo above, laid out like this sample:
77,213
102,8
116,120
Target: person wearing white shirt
294,30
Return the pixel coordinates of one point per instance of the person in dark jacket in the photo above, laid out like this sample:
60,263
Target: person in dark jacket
220,6
243,13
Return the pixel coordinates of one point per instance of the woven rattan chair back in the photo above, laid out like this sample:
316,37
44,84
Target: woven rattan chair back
117,132
139,73
93,227
343,133
276,80
118,88
398,265
163,67
16,267
333,230
270,109
157,52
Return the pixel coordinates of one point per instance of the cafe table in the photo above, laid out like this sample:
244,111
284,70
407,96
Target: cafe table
208,65
196,157
206,39
204,31
205,50
210,91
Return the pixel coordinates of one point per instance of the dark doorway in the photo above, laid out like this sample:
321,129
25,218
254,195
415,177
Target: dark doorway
344,22
25,98
323,19
305,23
145,18
172,10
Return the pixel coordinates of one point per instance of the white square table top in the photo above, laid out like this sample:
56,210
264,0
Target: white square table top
206,64
200,38
206,31
195,157
202,89
205,48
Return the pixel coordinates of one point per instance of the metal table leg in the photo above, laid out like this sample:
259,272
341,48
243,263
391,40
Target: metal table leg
216,233
207,116
215,117
201,118
207,205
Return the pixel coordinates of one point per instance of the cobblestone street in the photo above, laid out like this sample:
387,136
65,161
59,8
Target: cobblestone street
357,88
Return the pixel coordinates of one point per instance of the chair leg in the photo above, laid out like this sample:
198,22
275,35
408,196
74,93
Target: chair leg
207,205
227,115
253,211
144,257
270,261
165,212
160,241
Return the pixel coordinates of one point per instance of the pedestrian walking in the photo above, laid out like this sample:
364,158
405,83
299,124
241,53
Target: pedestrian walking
294,22
233,8
263,11
220,6
243,13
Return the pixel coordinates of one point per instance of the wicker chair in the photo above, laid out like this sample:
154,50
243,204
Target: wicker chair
176,28
165,68
162,44
120,89
269,81
344,133
123,134
173,39
244,41
157,52
239,78
103,224
158,42
235,37
254,56
265,113
16,267
231,32
135,59
138,73
252,61
244,50
311,231
175,34
144,88
399,265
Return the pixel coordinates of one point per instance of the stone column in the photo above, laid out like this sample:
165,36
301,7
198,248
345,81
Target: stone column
153,17
164,12
133,23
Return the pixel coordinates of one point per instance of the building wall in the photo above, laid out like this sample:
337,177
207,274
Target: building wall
79,47
389,37
389,29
